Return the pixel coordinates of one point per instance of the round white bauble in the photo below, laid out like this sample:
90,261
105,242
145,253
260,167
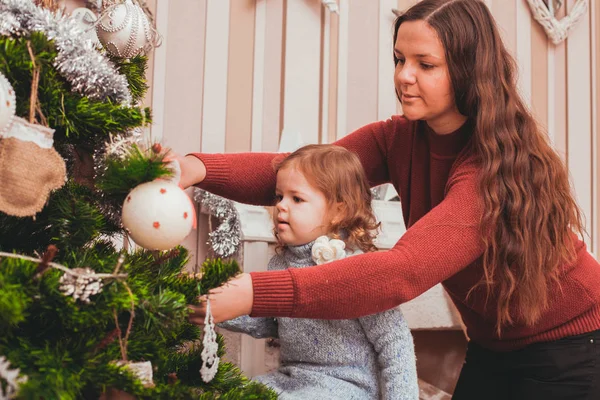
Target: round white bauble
158,215
8,104
86,20
124,30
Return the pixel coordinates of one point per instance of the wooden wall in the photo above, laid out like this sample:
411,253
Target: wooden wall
232,75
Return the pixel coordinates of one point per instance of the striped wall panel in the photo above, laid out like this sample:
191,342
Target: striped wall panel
235,74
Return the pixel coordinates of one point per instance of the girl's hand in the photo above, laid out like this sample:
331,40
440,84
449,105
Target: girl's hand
192,169
229,301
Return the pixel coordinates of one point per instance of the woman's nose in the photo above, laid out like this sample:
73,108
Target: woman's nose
405,74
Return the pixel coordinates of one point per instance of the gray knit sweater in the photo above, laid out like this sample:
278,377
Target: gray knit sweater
360,359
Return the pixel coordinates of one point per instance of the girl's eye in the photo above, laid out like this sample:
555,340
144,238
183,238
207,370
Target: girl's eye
278,198
426,66
297,199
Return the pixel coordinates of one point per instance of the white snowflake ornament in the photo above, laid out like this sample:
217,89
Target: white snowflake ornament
210,359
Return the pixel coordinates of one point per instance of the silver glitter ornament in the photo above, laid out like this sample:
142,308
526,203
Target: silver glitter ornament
124,30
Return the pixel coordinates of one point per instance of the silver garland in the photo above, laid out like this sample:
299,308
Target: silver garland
225,240
87,70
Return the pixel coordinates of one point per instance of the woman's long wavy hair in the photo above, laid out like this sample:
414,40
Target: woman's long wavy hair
529,212
339,175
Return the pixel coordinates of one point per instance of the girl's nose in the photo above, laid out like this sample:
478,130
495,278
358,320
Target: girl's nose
281,206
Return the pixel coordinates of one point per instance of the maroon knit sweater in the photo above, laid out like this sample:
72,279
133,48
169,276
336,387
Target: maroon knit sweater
436,177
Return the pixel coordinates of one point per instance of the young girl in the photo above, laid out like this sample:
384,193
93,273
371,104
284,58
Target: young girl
323,213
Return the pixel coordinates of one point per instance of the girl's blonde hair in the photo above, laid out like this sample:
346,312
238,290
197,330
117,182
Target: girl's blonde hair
339,175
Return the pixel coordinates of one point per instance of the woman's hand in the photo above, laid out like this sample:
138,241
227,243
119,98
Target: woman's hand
229,301
192,169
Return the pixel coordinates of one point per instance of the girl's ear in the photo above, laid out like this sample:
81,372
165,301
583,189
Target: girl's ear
337,212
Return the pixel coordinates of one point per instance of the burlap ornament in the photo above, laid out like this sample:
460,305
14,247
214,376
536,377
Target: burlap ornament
29,169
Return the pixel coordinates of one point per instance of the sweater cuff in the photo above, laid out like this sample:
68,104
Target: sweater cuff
273,294
217,170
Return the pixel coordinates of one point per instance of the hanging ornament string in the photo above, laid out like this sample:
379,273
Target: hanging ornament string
210,359
124,339
34,106
60,267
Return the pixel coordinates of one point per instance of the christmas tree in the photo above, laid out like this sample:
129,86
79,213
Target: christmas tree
81,315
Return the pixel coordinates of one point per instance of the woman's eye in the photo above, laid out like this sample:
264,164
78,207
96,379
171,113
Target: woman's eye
400,61
297,199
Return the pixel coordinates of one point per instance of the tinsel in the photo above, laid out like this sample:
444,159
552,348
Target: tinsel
117,146
86,69
225,240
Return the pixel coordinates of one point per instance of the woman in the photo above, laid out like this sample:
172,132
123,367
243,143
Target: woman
488,209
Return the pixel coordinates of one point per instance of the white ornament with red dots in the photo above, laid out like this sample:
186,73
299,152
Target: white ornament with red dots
158,215
7,105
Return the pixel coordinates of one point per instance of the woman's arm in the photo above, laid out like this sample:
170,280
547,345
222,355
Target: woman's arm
250,177
442,243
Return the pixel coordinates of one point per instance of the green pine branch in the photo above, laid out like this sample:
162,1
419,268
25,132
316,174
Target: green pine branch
76,119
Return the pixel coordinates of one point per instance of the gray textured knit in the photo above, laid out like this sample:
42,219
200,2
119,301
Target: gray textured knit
359,359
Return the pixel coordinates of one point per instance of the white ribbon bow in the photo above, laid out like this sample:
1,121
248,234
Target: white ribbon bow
325,250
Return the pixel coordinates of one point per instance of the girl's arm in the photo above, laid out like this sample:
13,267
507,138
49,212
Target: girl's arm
391,338
259,328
